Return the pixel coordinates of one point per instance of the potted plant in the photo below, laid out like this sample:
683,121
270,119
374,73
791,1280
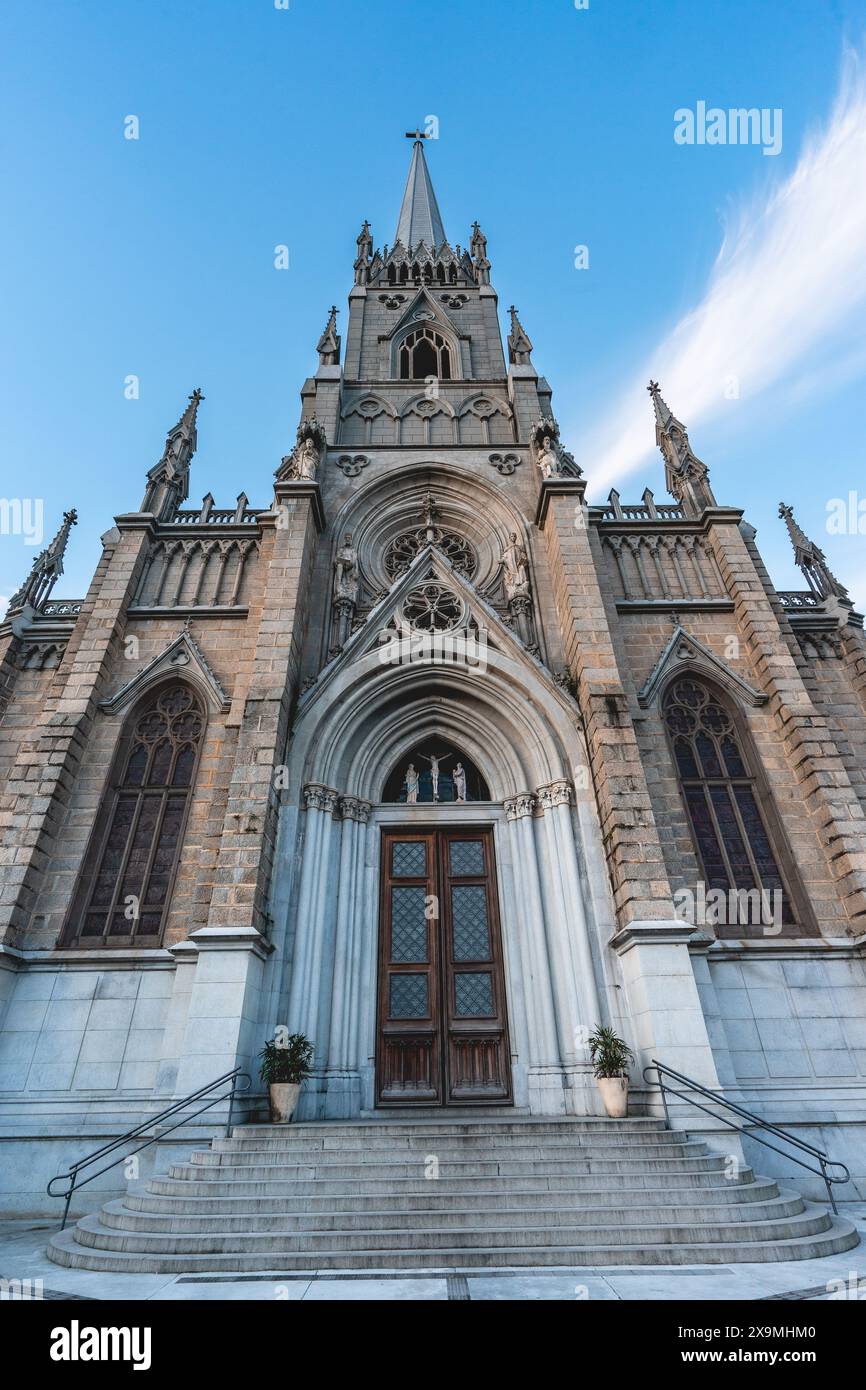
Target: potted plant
610,1058
285,1065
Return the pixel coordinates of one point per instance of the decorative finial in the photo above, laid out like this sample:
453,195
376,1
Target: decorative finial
809,558
686,476
46,568
328,346
519,345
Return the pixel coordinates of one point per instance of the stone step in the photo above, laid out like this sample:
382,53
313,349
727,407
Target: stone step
505,1166
516,1193
120,1215
92,1231
460,1121
204,1182
450,1153
430,1197
840,1235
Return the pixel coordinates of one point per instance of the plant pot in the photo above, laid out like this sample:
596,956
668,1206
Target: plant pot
283,1098
614,1094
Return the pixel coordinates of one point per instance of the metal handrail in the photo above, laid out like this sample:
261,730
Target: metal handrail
234,1077
824,1159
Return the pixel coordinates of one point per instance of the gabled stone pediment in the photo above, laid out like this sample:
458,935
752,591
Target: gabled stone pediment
385,625
684,653
181,658
422,309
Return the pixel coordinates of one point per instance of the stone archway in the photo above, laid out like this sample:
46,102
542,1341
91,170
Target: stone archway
521,732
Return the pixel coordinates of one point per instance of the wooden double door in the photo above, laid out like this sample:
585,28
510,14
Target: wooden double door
442,1031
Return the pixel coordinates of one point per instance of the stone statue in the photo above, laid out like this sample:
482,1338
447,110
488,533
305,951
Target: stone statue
307,461
346,572
411,777
548,459
459,777
434,762
515,564
362,260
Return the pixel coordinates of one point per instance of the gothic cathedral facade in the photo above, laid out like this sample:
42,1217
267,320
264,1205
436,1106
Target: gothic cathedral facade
428,759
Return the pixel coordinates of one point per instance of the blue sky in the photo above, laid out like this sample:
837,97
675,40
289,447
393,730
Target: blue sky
261,126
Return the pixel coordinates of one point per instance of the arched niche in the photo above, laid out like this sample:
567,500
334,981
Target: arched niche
449,756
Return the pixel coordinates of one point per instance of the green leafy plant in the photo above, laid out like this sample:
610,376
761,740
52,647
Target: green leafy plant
610,1056
289,1063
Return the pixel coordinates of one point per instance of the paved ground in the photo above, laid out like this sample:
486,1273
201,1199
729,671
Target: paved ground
22,1257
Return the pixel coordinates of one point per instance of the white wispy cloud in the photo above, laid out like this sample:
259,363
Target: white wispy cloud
789,277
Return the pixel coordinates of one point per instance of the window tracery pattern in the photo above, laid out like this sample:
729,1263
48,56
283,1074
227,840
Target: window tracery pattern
423,353
126,882
403,548
721,796
431,607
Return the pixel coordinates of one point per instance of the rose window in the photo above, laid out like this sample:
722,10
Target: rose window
432,608
403,549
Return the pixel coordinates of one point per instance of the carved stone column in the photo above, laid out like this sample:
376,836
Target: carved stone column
312,914
343,1048
544,1057
572,969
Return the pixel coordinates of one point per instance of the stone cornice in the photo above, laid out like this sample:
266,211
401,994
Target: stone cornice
561,486
668,931
292,489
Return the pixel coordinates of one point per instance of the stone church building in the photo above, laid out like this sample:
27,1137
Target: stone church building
423,756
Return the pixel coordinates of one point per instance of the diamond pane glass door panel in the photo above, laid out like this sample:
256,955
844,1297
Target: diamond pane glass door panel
443,1035
409,997
473,994
409,924
409,859
466,858
469,921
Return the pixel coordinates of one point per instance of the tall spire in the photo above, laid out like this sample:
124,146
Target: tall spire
46,568
168,480
811,560
686,477
420,219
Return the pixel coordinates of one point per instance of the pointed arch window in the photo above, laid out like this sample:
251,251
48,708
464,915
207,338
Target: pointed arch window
736,847
125,886
423,353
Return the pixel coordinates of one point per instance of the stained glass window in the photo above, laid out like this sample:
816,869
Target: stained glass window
126,882
733,842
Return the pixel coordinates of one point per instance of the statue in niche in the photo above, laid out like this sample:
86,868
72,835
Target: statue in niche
459,779
308,459
548,459
412,783
515,563
347,578
346,572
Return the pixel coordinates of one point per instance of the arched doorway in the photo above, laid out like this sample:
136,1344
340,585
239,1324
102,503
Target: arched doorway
353,738
442,1030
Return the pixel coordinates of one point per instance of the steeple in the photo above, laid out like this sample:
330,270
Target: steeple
168,480
686,477
46,569
811,560
420,219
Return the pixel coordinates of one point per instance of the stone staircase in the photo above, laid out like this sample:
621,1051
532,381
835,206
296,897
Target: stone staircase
418,1194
